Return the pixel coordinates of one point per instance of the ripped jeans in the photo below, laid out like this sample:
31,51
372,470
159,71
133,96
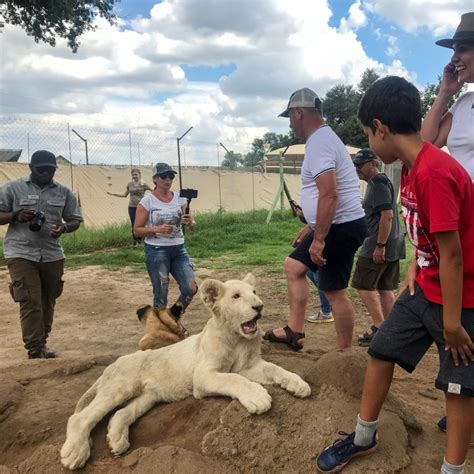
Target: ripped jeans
163,261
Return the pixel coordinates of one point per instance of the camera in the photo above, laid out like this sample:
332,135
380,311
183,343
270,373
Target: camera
37,221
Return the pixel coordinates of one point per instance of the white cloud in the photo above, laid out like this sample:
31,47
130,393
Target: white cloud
437,16
356,19
132,75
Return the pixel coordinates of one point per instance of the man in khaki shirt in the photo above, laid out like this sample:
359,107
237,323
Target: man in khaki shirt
38,211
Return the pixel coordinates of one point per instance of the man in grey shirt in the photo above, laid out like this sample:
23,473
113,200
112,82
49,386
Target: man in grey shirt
377,271
38,211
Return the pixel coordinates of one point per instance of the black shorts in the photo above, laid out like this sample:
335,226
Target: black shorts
408,332
372,276
341,244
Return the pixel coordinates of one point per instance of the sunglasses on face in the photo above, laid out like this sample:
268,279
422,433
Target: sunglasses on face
166,175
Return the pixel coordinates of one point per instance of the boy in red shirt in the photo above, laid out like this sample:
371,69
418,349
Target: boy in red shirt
437,304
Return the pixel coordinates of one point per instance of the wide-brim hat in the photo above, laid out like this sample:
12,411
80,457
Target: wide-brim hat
464,32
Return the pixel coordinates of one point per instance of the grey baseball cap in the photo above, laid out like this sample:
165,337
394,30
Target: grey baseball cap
302,98
161,168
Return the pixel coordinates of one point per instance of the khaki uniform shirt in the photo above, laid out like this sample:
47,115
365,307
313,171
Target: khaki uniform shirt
58,204
136,193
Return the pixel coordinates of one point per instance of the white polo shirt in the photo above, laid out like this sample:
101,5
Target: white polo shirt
324,152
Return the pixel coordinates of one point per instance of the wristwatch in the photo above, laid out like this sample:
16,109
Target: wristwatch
381,245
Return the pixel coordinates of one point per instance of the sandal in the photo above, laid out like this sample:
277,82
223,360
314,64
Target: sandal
291,338
366,338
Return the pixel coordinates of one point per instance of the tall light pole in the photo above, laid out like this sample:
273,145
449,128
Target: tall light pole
179,156
85,143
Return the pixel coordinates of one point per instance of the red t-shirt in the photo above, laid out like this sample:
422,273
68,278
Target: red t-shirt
437,196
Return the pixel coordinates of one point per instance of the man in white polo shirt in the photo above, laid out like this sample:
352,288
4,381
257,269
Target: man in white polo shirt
336,228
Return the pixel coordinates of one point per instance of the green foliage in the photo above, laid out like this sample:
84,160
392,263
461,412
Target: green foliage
340,109
232,160
429,93
255,156
59,18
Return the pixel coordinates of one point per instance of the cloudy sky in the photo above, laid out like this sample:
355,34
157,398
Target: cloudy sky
225,67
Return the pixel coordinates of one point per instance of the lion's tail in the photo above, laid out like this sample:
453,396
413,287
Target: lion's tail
86,398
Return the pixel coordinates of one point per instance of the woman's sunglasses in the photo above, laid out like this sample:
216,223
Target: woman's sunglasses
166,175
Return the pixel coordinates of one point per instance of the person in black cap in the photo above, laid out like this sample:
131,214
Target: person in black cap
455,127
159,220
38,210
377,271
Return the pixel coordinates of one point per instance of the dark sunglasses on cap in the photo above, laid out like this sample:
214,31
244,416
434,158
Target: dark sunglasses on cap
166,175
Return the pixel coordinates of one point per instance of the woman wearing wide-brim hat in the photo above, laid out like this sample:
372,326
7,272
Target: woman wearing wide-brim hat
455,127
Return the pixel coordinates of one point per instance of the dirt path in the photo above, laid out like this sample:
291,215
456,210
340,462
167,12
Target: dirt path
96,323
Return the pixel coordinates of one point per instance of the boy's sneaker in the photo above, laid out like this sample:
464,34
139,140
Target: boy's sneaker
443,424
320,317
336,456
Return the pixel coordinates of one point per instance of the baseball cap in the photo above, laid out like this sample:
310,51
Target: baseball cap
302,98
43,158
364,156
161,168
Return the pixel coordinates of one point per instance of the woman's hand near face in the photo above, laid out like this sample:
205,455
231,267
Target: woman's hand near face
449,82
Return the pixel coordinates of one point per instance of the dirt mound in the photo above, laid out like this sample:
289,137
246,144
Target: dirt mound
96,325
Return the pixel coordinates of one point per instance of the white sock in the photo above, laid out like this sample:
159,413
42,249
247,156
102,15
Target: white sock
447,468
365,431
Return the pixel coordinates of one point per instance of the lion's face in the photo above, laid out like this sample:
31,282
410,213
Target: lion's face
235,303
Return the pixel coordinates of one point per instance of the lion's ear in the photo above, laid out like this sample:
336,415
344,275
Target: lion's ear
211,290
250,279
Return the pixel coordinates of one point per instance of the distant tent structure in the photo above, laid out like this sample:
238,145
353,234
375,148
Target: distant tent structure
9,156
60,160
292,159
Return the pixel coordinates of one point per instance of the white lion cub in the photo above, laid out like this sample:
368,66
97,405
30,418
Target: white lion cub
224,359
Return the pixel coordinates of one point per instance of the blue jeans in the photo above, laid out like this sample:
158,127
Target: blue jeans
314,277
166,260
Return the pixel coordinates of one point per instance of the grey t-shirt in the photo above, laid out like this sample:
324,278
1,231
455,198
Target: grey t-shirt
56,201
379,197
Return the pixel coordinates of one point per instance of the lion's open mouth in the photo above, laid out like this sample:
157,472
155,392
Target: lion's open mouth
250,327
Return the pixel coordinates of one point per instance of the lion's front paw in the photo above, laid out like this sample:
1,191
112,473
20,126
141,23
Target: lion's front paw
257,400
297,386
118,444
74,454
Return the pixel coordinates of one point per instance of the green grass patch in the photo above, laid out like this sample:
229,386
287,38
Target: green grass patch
223,240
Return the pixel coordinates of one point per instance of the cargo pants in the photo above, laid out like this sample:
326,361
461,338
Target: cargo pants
35,286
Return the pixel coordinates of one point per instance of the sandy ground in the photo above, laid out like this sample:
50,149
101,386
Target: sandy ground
96,323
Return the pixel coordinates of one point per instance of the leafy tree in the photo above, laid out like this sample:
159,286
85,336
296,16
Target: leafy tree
369,76
273,140
232,160
429,93
340,111
46,20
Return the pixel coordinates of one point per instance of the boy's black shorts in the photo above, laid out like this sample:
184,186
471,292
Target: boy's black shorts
342,243
408,332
